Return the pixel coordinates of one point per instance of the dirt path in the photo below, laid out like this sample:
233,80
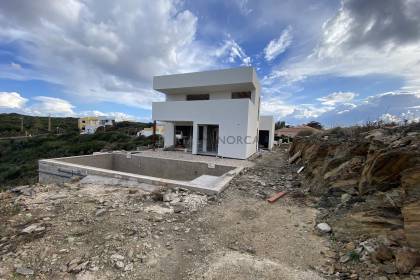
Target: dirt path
257,240
92,232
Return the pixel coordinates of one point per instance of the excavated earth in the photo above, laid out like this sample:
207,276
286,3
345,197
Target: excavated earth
88,231
368,183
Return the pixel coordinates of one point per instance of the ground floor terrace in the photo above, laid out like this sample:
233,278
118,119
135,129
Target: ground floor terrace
213,139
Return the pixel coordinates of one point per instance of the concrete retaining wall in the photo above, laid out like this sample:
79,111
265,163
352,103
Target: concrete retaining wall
149,166
154,171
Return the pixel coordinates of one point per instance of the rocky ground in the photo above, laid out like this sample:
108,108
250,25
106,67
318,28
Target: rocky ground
367,180
88,231
321,229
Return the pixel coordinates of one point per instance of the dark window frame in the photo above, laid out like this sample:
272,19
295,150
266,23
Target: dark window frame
241,95
197,97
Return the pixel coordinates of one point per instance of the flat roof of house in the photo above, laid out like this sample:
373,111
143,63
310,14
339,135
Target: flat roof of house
239,79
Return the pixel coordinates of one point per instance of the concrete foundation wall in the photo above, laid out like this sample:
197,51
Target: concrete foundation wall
135,168
147,166
104,161
166,168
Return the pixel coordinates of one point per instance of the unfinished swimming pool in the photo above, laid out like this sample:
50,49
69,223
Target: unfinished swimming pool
157,171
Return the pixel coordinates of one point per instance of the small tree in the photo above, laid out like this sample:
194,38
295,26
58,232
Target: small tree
280,124
314,124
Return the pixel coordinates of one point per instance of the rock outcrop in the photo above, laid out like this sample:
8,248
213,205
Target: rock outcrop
378,170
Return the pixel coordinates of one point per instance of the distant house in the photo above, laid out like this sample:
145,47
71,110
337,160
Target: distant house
148,131
291,132
89,125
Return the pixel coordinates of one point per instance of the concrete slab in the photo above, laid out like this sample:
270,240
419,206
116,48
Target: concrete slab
207,181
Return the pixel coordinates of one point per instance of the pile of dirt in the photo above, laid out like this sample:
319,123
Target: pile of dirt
369,188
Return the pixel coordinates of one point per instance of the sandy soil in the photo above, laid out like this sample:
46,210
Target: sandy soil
94,232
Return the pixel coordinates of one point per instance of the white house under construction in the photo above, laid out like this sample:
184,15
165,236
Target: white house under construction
213,112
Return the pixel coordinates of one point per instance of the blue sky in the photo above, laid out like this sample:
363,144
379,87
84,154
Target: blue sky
338,62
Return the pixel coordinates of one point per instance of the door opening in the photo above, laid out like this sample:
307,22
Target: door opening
208,139
263,139
183,137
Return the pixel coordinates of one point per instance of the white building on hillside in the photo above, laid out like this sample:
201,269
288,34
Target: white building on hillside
89,125
213,112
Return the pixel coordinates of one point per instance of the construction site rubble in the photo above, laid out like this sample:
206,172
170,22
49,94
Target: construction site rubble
85,230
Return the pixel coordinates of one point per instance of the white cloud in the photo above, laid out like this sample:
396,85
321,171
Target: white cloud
337,98
119,116
45,105
233,52
284,110
243,7
308,111
388,118
12,100
15,66
276,107
390,106
364,38
108,51
278,46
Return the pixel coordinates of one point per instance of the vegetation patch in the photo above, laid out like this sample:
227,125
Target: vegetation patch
19,156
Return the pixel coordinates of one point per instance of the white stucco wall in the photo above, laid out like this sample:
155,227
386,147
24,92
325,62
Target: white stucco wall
231,116
176,97
168,134
267,123
252,130
220,95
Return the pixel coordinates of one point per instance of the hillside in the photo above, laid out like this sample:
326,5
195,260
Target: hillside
19,157
10,125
